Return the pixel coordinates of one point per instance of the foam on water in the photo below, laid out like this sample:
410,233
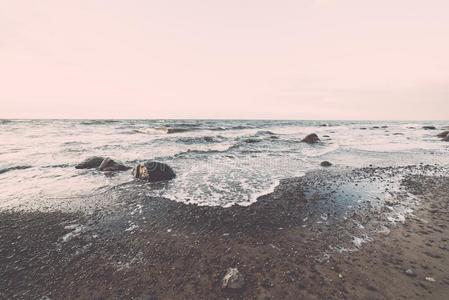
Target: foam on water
217,162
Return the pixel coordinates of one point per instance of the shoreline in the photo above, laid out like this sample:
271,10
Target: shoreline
301,241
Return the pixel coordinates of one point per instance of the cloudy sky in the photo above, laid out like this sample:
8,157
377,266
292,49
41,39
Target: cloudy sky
291,59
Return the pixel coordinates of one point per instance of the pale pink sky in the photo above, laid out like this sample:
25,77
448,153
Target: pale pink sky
294,59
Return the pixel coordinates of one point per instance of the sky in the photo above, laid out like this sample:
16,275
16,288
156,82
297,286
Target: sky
240,59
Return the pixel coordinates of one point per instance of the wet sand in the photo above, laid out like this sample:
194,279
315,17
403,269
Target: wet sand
322,236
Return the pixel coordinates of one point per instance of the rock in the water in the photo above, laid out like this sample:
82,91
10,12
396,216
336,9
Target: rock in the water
252,140
311,139
233,279
446,139
90,163
326,163
429,127
153,171
109,165
443,134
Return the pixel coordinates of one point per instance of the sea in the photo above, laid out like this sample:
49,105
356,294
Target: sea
217,162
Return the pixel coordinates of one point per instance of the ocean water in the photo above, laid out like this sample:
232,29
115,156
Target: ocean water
217,162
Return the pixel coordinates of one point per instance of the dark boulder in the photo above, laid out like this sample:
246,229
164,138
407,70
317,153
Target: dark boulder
326,163
311,139
90,163
110,165
443,134
154,171
429,127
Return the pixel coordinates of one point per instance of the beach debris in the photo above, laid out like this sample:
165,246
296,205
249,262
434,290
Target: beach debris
75,231
233,279
132,227
443,134
311,139
430,279
90,163
110,165
154,171
359,241
410,272
325,163
429,127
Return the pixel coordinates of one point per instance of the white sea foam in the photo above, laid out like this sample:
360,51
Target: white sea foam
221,170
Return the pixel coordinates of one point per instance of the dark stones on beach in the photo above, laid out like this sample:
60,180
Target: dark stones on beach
311,139
102,164
109,165
154,171
233,279
443,134
90,163
325,163
429,127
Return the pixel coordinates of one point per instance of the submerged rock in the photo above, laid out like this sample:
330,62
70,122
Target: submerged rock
252,140
154,171
326,163
90,163
233,279
429,127
443,134
311,139
110,165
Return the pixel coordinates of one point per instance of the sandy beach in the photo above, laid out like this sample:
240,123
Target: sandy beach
309,239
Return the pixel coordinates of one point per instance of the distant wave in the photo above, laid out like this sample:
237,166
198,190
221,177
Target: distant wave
264,132
57,166
14,168
146,131
199,140
179,130
201,152
98,122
